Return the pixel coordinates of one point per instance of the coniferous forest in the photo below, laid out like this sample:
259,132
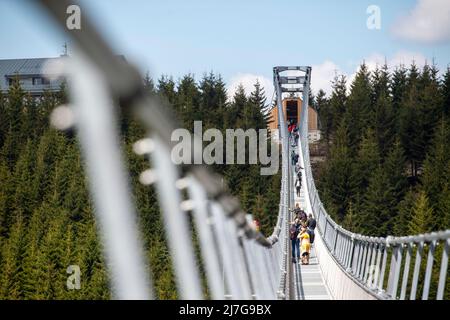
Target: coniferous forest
385,172
46,217
388,153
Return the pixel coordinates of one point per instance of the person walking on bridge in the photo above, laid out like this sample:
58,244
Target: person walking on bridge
298,186
298,171
305,245
294,157
311,225
295,242
296,211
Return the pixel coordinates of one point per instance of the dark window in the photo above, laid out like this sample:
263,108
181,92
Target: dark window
292,111
40,80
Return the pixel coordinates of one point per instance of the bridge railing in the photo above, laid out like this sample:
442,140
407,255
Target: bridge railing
240,262
386,268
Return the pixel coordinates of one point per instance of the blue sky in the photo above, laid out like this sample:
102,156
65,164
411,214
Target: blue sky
243,40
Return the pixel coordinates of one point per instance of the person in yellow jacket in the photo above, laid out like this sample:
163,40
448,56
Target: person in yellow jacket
305,245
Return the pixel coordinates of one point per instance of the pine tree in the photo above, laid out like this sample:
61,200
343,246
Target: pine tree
368,160
380,83
188,98
11,267
34,266
437,170
337,181
430,106
161,269
12,118
149,86
338,101
3,120
358,111
405,211
445,89
410,130
442,220
257,108
395,168
422,216
6,192
325,114
94,283
50,147
236,109
398,86
378,207
23,198
384,122
351,220
166,89
213,101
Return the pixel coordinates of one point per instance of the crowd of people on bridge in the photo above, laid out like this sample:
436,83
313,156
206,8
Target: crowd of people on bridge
293,137
302,235
303,225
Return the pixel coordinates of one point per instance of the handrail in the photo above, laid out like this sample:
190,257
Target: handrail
365,258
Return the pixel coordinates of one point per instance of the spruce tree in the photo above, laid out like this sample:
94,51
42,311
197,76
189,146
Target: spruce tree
445,89
398,86
422,216
149,86
23,199
395,168
213,101
3,119
34,265
234,118
442,217
188,98
337,181
6,192
11,285
384,123
338,101
166,89
358,110
257,108
325,114
378,207
430,106
437,170
405,211
351,221
410,130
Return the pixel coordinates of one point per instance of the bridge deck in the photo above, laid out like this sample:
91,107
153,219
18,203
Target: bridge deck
308,280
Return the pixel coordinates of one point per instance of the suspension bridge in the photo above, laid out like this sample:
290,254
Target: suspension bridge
239,262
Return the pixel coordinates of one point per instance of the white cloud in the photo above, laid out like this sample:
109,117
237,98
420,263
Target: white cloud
405,58
428,22
248,80
375,60
322,75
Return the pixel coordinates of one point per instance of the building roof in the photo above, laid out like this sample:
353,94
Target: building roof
26,68
34,66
